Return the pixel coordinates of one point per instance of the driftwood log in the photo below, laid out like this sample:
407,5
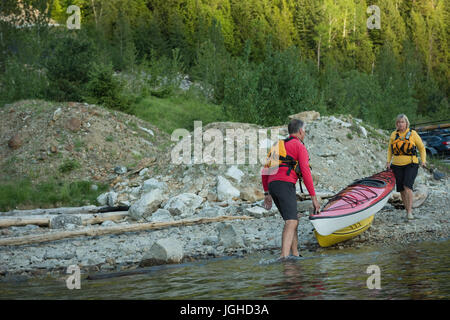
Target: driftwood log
52,236
64,210
44,221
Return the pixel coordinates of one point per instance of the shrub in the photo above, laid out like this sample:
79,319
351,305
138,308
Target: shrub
104,88
21,81
69,62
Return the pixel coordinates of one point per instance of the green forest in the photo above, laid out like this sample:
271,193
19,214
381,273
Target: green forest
252,61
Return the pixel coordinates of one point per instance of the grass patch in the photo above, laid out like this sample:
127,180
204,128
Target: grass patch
51,193
69,165
178,111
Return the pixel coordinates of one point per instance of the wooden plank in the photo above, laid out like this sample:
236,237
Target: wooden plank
30,239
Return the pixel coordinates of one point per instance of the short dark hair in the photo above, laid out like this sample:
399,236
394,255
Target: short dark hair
295,125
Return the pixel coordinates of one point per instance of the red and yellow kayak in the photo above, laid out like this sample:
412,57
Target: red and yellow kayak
344,234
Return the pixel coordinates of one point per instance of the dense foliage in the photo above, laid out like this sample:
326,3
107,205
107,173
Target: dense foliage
261,60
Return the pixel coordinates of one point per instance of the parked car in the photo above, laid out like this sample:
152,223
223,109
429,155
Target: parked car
440,143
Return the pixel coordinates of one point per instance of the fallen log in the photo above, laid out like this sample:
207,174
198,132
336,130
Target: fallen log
11,221
30,239
64,210
99,218
44,221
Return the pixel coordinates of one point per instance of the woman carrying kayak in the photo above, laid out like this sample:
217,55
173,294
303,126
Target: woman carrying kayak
403,146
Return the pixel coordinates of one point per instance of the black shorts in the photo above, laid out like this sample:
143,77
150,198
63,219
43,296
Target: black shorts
405,175
285,198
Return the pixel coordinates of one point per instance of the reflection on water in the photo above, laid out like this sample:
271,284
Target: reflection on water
416,271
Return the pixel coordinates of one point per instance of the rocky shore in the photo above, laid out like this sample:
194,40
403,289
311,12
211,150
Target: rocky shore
341,150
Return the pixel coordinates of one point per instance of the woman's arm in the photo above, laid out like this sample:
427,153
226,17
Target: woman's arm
419,143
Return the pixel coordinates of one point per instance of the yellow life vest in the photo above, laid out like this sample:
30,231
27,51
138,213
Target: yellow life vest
278,157
403,146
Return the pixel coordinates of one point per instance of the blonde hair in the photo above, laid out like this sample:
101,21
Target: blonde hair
402,116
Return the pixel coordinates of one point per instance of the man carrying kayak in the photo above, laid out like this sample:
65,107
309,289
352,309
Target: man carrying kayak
288,160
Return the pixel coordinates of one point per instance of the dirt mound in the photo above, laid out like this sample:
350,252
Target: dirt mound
73,141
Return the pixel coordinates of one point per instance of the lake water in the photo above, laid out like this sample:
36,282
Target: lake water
414,271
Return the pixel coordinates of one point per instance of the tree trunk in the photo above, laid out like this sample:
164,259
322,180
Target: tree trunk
318,52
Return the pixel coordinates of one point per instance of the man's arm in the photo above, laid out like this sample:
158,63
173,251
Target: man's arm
307,177
306,172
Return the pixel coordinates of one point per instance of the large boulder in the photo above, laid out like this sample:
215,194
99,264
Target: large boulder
184,204
228,236
147,204
225,190
163,251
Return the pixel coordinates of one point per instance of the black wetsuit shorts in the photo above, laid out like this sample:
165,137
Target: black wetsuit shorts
284,197
405,175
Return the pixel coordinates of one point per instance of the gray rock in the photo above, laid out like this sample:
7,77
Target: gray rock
210,240
30,227
167,250
152,183
103,199
184,204
143,172
225,190
147,204
108,223
59,253
120,169
111,198
257,212
228,236
211,212
65,221
160,215
235,173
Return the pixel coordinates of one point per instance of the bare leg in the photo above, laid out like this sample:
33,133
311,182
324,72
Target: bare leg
409,199
289,230
404,196
294,247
